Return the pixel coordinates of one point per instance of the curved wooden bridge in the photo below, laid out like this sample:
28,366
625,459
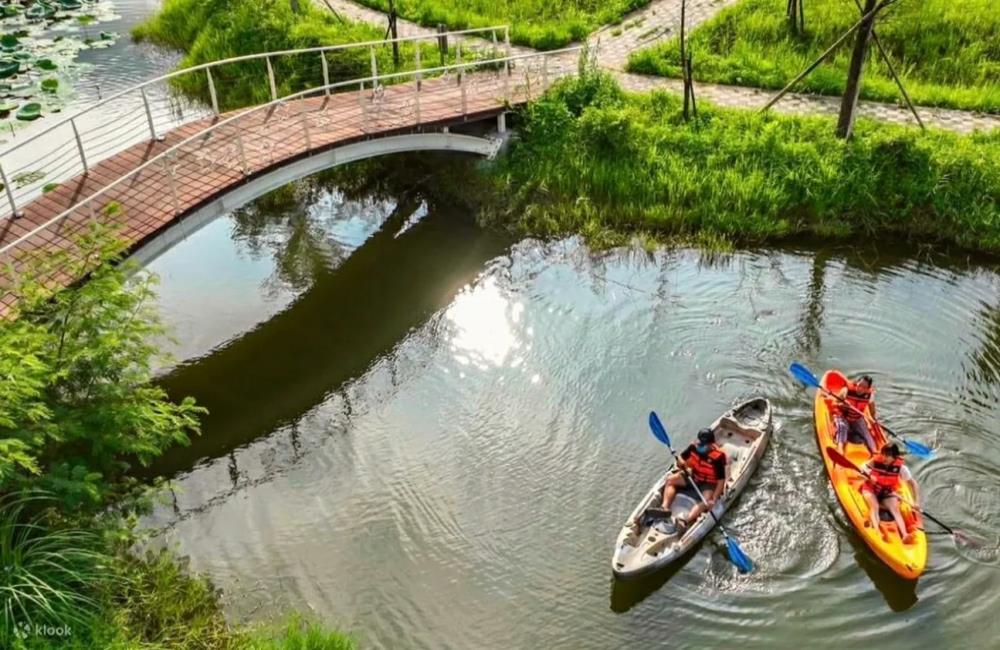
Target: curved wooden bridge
164,158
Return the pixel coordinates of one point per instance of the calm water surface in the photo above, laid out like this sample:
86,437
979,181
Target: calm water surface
430,435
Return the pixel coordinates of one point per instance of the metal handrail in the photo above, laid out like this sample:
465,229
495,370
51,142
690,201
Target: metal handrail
243,113
252,57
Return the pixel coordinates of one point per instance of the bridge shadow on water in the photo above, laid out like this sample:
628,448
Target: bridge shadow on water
348,317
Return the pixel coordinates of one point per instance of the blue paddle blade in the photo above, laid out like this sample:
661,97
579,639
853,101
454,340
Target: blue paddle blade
658,429
738,557
918,449
803,374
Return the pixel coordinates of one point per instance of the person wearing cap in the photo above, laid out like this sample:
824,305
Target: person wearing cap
886,472
705,463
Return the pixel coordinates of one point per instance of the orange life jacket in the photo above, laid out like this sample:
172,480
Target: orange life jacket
884,471
703,467
857,398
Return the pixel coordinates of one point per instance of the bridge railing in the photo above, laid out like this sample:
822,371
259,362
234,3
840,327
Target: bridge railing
193,167
147,111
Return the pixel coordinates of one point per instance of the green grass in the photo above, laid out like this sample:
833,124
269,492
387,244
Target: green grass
592,159
948,53
212,30
542,24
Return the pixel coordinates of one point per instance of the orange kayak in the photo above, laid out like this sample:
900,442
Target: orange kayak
907,560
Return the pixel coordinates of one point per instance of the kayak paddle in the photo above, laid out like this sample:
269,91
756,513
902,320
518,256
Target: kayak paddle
958,535
736,554
804,375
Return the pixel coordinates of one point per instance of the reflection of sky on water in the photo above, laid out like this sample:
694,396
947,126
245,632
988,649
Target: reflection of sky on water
484,321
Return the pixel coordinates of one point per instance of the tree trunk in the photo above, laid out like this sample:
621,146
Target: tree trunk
849,105
295,6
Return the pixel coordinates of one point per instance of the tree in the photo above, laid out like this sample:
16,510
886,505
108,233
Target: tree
77,404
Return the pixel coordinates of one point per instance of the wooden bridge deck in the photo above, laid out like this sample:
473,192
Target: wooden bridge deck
209,161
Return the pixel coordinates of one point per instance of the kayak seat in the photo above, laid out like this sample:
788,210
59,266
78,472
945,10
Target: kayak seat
729,423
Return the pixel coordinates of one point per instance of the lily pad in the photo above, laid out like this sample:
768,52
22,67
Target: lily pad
29,112
46,64
50,85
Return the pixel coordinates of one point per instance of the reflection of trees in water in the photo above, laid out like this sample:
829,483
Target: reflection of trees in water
812,319
987,359
284,225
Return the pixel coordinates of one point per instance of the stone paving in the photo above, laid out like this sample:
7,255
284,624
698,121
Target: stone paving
659,20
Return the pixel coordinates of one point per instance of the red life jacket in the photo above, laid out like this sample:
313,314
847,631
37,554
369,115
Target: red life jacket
857,398
884,471
703,467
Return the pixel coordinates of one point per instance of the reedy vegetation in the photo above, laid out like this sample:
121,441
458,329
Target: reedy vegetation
593,159
947,53
542,24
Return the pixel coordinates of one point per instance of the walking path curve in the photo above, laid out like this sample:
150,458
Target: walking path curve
660,19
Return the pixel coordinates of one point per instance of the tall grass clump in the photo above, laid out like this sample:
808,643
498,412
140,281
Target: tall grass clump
592,159
542,24
947,53
212,30
50,570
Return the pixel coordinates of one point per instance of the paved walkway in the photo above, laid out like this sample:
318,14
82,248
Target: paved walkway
660,19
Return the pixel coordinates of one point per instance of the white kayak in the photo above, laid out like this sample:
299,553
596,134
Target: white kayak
646,546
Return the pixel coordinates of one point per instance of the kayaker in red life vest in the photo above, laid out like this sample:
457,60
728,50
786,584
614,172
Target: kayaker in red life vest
886,472
706,464
847,420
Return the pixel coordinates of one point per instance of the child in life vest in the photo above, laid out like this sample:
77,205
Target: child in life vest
886,473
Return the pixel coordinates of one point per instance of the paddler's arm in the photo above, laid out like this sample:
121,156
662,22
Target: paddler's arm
907,476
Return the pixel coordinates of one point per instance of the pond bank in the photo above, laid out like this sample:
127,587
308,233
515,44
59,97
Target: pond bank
592,159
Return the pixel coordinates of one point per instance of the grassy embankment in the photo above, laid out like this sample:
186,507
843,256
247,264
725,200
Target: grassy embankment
77,412
592,159
212,30
542,24
948,53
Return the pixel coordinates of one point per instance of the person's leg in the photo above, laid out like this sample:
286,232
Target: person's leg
861,428
841,431
696,511
670,489
873,506
892,505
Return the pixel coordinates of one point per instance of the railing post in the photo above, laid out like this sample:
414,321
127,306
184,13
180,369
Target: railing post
305,130
242,151
149,114
371,50
10,195
326,74
506,44
364,110
173,184
461,78
211,91
420,76
270,79
79,146
506,65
